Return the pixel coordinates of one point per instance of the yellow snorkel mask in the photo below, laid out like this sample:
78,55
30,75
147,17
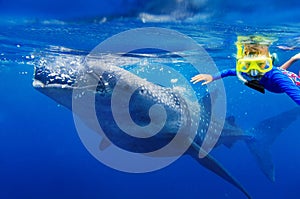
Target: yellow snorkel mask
262,64
254,59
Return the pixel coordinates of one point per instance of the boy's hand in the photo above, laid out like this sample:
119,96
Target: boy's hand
202,77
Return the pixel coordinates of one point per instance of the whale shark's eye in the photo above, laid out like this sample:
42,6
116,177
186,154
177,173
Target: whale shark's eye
142,91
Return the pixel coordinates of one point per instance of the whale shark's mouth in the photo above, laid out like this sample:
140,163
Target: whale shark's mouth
44,77
57,71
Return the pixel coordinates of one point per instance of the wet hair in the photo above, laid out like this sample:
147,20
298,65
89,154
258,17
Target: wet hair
256,50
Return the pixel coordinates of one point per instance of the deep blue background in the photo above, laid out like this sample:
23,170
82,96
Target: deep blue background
41,155
264,11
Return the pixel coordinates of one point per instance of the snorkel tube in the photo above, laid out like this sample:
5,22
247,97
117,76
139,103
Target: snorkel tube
239,55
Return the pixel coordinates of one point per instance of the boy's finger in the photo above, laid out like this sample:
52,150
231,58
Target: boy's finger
196,77
196,81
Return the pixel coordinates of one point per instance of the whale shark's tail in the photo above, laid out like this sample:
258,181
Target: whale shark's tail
264,134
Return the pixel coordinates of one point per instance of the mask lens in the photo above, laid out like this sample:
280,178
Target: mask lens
260,64
244,65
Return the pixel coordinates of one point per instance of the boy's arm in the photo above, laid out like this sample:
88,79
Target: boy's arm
224,73
287,64
294,93
291,89
206,78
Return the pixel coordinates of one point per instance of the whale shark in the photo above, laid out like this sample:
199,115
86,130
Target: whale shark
98,81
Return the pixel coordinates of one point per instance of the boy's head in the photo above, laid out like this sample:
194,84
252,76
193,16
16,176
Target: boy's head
253,56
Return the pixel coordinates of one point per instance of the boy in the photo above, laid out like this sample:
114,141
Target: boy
255,69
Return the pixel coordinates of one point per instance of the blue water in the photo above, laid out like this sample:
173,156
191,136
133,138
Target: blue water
41,155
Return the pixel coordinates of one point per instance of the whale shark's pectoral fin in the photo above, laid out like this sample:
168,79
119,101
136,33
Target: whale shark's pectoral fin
104,144
210,163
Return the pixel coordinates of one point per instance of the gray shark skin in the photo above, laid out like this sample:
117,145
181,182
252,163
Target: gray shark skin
59,85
